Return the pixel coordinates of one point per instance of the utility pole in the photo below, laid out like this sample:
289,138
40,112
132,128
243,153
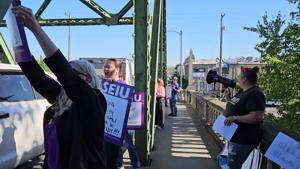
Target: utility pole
221,50
190,77
181,59
180,68
68,14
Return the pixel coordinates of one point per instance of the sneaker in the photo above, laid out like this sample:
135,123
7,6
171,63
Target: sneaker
170,114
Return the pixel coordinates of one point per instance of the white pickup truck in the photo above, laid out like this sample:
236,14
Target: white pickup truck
21,118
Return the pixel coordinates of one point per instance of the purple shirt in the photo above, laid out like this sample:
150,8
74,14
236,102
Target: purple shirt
121,81
51,146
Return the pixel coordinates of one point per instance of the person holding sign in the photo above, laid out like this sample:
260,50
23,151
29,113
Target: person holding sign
74,124
111,73
114,152
246,109
113,148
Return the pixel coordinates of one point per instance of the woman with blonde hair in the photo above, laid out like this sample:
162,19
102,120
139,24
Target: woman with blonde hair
160,94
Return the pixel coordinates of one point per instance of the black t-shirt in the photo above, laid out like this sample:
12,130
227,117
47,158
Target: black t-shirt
241,104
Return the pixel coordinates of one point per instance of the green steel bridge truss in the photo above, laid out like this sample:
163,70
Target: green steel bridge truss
149,52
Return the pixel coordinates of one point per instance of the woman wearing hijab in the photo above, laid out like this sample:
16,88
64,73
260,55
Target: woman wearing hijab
74,124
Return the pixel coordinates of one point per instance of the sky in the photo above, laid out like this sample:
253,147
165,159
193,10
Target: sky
199,21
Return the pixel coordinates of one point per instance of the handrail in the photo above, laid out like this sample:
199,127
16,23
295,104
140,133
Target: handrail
209,108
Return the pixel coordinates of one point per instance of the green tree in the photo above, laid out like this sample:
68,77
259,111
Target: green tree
185,81
280,78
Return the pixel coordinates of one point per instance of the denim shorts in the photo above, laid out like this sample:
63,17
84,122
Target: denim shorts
237,154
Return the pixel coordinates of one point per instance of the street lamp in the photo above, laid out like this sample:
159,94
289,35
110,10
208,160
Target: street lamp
180,34
68,14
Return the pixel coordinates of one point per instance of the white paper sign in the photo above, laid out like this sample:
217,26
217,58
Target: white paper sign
136,114
169,91
225,131
253,161
14,28
284,151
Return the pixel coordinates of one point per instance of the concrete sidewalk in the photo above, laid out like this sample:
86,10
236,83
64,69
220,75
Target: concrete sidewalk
184,143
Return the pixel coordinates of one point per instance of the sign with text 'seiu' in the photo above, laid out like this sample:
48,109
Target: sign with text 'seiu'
118,97
136,115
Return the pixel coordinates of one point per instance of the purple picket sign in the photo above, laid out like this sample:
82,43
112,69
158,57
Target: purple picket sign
16,29
137,113
119,98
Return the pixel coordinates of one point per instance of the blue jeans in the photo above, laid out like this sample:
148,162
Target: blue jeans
237,154
135,162
173,106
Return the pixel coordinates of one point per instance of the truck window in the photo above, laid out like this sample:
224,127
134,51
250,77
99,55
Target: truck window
15,87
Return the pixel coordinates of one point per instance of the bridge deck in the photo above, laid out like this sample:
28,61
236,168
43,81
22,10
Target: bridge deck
183,143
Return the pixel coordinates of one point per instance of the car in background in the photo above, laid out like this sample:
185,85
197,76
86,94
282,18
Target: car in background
21,118
272,103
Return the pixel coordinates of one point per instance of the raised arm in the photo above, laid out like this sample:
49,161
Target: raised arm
49,48
74,86
47,87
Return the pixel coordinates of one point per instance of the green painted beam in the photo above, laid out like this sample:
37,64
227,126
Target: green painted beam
97,8
164,41
154,58
42,8
125,9
5,55
160,54
80,22
107,18
141,65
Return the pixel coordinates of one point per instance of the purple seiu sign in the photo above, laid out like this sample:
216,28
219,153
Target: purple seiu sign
118,97
136,115
16,29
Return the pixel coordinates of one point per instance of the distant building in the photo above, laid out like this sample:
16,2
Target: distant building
231,68
199,72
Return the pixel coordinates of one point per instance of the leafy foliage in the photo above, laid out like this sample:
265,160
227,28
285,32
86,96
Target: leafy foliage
43,65
280,78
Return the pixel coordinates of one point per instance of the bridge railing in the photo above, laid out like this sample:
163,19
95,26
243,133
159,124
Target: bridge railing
209,108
